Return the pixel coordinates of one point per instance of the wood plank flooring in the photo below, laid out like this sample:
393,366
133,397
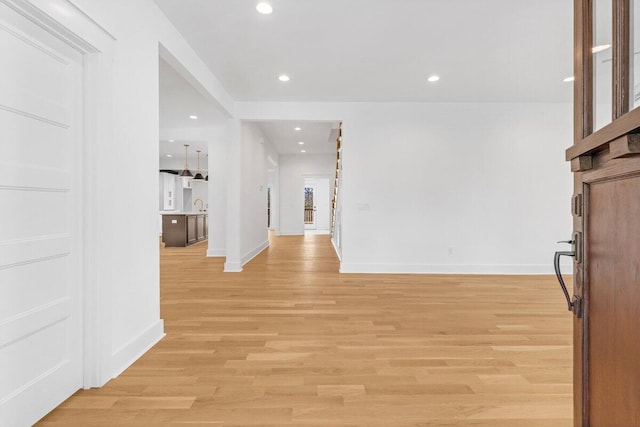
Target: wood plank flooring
290,342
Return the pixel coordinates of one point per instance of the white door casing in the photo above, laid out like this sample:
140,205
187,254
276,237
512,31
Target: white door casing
40,237
54,116
310,186
322,203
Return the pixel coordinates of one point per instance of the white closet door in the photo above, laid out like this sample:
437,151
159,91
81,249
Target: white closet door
40,220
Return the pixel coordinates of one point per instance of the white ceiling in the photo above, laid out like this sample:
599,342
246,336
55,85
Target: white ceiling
317,136
179,100
384,50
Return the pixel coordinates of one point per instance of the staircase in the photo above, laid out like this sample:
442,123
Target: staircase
335,212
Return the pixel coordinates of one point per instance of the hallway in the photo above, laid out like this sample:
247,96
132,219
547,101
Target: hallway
290,341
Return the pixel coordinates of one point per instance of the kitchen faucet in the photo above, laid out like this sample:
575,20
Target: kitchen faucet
201,204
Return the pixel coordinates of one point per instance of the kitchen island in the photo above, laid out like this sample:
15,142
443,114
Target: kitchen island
184,229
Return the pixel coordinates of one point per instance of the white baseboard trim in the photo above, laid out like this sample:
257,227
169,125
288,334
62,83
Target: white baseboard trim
291,233
124,357
335,248
254,252
232,267
531,269
216,252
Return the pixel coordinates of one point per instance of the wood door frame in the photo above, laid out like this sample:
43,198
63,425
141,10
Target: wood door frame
624,121
66,21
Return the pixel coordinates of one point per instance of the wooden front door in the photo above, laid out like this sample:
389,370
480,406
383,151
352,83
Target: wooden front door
605,159
613,269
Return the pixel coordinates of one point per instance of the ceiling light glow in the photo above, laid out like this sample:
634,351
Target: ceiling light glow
569,79
284,78
172,140
434,78
300,143
303,151
298,129
193,117
169,155
600,48
264,8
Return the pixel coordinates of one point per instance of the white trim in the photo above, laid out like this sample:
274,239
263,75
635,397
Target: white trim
255,252
232,267
68,22
290,233
216,252
135,348
515,269
335,247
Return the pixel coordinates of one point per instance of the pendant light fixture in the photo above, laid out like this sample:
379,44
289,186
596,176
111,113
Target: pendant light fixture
186,173
198,176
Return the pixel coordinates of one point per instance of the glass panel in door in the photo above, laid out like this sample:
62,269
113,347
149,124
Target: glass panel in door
309,207
602,63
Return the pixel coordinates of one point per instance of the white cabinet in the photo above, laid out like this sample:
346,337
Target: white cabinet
167,191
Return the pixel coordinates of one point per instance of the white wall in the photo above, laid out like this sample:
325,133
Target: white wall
255,149
126,256
273,179
218,160
467,188
293,169
460,188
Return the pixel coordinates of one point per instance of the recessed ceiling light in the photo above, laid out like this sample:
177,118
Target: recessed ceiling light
284,78
169,155
600,48
298,128
193,117
172,140
264,8
569,79
300,143
303,151
433,78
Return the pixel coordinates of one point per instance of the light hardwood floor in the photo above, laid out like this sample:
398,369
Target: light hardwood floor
289,341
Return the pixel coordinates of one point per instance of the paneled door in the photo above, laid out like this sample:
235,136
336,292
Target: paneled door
41,228
605,159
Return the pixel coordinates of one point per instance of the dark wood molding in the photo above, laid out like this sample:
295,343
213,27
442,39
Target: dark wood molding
621,85
625,146
599,140
582,163
583,71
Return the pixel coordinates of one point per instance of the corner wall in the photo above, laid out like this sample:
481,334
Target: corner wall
127,231
254,183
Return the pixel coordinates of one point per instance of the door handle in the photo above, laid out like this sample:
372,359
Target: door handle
575,304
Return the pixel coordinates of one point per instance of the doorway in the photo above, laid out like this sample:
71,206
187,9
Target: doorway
310,206
317,202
